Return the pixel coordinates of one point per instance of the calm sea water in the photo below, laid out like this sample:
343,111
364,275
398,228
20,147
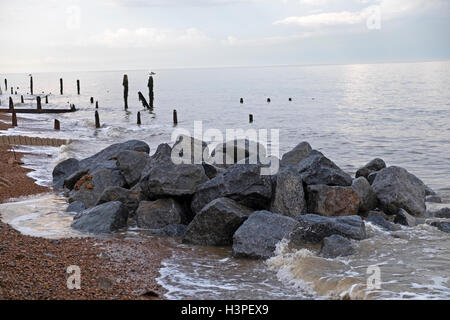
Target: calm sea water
353,113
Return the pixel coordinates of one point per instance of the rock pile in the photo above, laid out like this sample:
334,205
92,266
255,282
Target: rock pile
309,201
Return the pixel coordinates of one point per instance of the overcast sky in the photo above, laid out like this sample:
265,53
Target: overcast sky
63,35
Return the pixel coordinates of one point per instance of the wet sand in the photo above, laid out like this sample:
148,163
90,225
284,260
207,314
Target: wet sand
36,268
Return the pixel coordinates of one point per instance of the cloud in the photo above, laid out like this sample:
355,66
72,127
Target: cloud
325,19
148,38
390,9
184,3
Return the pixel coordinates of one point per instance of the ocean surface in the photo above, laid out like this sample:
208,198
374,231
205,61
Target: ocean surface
352,113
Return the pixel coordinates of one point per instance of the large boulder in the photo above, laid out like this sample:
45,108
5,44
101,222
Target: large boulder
442,213
313,228
289,196
105,218
216,223
375,165
130,198
332,201
237,151
397,188
63,170
402,217
111,152
379,219
296,155
190,150
336,246
91,186
76,207
131,165
159,213
444,226
259,234
166,179
68,172
241,182
367,197
318,169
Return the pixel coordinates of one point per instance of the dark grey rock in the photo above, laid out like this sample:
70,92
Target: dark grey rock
130,198
167,179
241,182
433,199
332,201
429,191
105,218
289,196
190,150
318,169
90,191
159,213
336,246
397,188
211,171
379,219
375,165
71,180
76,207
171,230
259,234
63,170
402,217
236,151
164,178
216,223
442,213
111,153
371,177
444,226
131,165
313,228
367,197
296,155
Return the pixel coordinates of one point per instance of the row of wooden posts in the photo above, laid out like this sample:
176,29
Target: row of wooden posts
61,87
57,124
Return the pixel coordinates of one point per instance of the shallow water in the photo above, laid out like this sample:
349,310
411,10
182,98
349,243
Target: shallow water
353,113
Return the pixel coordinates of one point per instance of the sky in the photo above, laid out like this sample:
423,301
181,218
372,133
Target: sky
85,35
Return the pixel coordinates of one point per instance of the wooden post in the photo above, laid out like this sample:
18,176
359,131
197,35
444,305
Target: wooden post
72,107
250,118
14,119
12,90
96,104
150,91
139,118
6,85
175,117
78,87
11,104
61,86
242,100
21,99
125,90
46,99
97,120
38,100
31,85
57,125
92,100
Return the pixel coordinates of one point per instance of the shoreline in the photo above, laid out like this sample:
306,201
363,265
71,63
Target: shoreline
34,268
